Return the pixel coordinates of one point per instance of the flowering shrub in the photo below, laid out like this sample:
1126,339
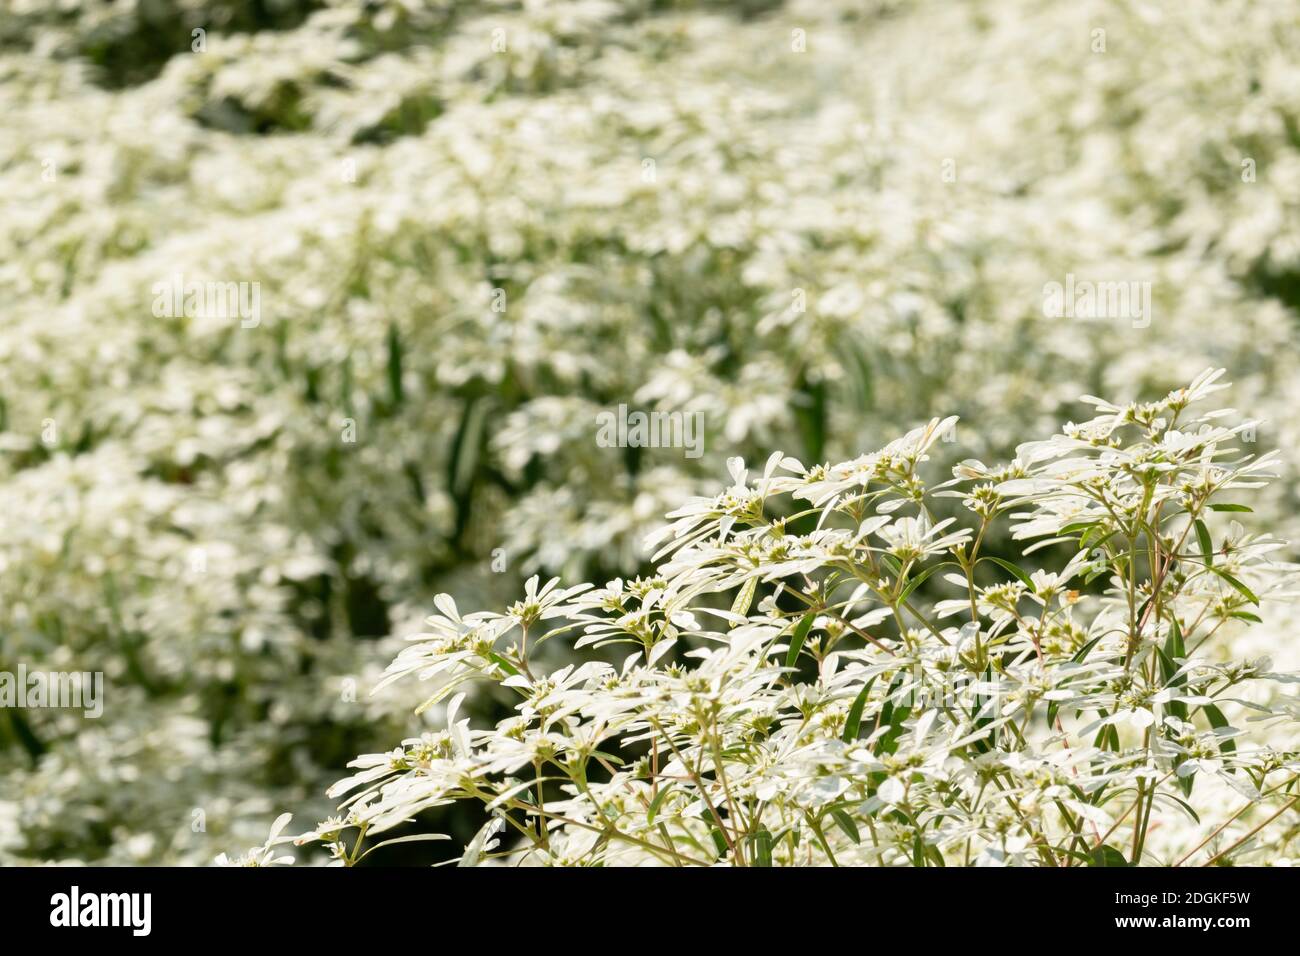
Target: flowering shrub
786,697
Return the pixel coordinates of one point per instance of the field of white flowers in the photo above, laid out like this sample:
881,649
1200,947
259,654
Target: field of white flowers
458,236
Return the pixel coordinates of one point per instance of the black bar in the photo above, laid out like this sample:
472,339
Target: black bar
369,906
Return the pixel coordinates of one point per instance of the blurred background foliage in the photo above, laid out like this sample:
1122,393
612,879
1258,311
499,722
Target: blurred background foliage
738,209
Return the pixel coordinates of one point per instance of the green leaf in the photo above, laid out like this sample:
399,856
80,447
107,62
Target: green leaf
916,582
1094,575
1207,543
1082,652
1171,654
1219,722
1174,643
1245,591
800,635
1184,804
1095,537
1108,736
1076,526
1167,667
762,848
719,842
845,823
894,717
854,721
656,803
1008,566
1107,855
1230,508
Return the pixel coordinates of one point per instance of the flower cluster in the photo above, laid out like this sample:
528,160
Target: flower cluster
787,690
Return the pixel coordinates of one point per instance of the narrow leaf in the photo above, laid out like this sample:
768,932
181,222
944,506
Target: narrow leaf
800,635
845,823
1207,544
656,803
854,721
1008,566
1245,591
